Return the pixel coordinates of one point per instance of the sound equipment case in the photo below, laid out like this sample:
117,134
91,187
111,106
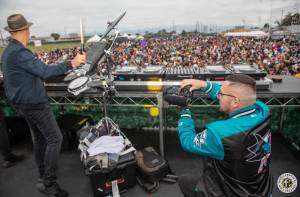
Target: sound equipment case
124,173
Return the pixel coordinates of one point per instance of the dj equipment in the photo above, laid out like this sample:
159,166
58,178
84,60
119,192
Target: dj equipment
208,73
179,73
134,73
250,70
125,73
211,73
150,73
215,73
149,86
140,86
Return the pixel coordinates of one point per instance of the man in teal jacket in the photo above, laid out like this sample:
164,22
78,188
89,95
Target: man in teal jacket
237,149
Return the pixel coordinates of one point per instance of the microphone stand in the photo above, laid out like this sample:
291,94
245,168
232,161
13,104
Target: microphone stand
108,85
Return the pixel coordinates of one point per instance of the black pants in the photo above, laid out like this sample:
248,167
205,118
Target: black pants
4,142
188,185
193,186
47,139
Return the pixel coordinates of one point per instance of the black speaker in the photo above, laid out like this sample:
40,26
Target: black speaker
69,124
17,129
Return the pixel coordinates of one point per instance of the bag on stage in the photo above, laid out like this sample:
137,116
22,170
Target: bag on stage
152,168
108,158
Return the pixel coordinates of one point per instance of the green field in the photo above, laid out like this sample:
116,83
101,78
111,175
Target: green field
1,50
50,46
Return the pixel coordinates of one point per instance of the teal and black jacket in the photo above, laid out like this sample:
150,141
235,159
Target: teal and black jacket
238,148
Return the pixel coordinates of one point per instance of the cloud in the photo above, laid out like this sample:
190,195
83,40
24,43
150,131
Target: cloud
63,15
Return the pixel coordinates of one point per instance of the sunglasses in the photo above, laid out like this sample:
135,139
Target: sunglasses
222,94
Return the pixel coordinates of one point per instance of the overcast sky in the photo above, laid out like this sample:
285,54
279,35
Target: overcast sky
62,16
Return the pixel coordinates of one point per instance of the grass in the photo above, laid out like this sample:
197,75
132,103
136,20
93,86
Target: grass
50,46
1,50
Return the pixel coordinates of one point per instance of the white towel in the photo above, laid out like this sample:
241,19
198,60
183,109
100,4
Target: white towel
106,144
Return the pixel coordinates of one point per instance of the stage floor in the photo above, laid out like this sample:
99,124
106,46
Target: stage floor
19,180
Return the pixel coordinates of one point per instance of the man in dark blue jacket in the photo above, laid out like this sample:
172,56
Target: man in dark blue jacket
237,149
23,77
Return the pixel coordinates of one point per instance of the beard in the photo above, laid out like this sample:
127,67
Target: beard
224,110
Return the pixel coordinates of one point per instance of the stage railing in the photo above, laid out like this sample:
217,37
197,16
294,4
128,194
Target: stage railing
156,100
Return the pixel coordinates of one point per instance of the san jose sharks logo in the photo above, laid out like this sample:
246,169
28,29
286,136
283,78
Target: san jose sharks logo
200,138
260,151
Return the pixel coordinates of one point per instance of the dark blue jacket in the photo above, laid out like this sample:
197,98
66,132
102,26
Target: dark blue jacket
23,75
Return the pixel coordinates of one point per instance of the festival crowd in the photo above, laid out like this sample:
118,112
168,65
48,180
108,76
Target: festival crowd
281,57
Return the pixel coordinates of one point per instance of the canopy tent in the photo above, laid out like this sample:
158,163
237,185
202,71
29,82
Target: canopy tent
131,37
247,34
95,38
139,37
123,38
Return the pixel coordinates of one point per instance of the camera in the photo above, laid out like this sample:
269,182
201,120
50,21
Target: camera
178,96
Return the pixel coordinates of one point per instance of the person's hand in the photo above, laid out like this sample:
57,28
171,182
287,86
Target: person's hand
78,59
194,83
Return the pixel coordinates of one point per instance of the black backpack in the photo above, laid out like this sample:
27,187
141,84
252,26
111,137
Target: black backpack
152,168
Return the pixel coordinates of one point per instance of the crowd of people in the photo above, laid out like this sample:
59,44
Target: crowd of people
275,57
58,55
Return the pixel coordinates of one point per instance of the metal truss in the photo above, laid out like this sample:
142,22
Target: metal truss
144,101
272,102
282,102
111,101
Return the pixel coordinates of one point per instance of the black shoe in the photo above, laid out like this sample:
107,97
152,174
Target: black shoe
40,185
53,190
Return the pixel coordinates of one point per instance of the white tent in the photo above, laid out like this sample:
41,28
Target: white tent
95,38
131,37
125,35
140,37
258,34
